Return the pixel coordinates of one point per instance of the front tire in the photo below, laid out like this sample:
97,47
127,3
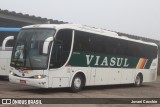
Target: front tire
77,83
138,80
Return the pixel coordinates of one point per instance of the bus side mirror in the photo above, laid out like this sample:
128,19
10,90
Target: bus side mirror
5,41
46,44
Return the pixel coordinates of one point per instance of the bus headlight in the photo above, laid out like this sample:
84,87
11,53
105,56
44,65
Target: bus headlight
12,73
39,76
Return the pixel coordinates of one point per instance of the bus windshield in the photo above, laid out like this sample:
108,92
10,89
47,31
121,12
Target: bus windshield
30,51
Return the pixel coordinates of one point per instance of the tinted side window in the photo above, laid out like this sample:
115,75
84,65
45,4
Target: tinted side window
98,44
89,42
82,41
61,48
140,50
105,45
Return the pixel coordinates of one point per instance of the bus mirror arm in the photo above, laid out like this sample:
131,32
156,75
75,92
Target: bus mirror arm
46,44
5,41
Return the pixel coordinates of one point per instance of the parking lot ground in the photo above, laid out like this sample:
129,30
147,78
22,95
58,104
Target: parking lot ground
147,90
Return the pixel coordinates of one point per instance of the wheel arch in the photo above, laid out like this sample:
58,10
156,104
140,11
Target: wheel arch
139,73
75,73
138,79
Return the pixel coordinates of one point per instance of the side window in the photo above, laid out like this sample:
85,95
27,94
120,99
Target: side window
88,42
61,48
135,49
97,44
113,45
106,45
149,51
82,41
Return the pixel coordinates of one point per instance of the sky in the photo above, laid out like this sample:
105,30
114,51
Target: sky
137,17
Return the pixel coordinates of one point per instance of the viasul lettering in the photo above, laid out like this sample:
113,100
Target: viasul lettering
105,61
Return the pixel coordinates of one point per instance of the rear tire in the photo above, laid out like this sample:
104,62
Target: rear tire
138,80
77,83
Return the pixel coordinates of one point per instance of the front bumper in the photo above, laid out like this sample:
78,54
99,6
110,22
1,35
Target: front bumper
42,83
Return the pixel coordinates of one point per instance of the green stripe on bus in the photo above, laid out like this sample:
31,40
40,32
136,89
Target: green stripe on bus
148,64
87,59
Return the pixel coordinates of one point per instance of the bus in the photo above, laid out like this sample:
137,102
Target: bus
74,56
7,41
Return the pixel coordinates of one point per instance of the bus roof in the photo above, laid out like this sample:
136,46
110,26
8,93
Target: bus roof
89,29
2,29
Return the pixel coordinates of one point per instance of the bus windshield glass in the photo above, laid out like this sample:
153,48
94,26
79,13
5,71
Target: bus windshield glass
32,48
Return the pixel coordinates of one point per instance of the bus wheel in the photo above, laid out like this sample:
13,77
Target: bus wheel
77,83
139,80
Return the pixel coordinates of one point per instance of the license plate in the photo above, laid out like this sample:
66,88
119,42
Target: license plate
23,81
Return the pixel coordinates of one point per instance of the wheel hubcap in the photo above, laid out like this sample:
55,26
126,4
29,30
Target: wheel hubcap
138,80
77,82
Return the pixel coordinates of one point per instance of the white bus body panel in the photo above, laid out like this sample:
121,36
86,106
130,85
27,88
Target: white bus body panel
97,76
5,57
59,77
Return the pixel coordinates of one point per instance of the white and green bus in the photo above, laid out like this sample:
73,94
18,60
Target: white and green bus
71,55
